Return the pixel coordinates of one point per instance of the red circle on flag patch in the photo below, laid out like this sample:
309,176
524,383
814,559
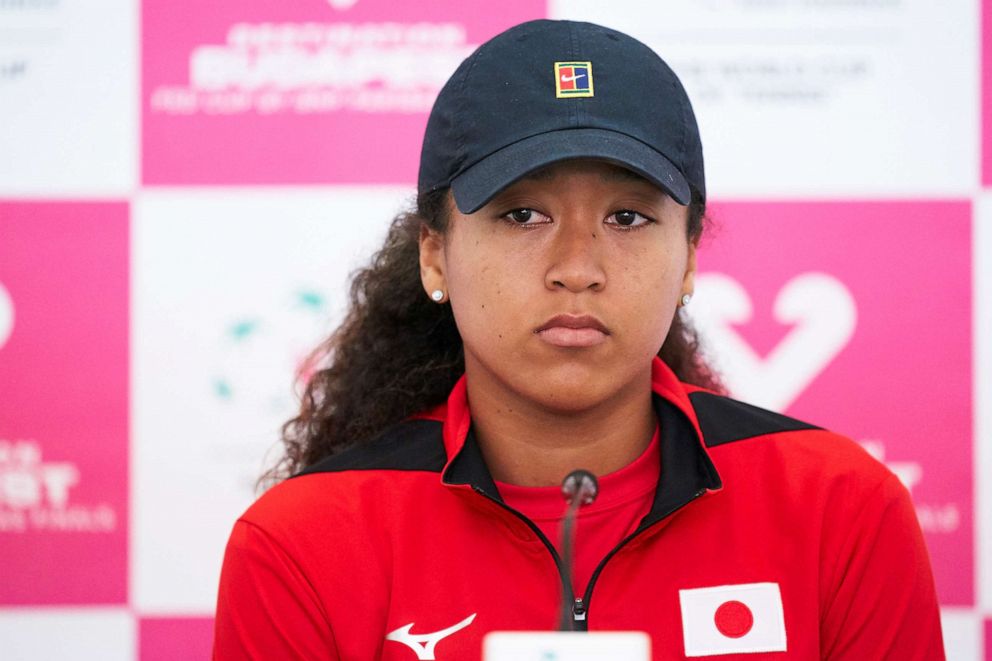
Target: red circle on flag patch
733,619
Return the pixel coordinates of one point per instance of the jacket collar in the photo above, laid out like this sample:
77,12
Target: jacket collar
686,468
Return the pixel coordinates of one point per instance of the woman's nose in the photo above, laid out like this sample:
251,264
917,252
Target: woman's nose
575,259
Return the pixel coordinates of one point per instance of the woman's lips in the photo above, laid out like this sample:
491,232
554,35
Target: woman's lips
573,331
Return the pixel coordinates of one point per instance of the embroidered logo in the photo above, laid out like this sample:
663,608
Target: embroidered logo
573,79
733,619
423,644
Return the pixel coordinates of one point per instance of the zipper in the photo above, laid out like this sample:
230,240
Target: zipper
578,610
566,583
580,605
583,602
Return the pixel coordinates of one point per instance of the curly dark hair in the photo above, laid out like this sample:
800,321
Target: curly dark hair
397,352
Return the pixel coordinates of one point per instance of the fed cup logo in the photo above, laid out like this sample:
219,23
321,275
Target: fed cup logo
823,314
6,316
36,494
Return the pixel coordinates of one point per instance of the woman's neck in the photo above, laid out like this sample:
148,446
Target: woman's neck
530,445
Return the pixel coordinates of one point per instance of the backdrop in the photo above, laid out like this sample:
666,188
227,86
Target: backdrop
184,189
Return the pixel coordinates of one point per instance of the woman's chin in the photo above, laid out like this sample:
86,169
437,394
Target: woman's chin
570,393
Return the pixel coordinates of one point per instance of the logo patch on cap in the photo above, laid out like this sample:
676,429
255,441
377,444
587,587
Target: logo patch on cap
573,79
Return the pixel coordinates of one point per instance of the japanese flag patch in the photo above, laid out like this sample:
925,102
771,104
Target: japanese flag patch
733,619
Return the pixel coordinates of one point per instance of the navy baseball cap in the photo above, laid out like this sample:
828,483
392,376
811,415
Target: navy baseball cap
546,91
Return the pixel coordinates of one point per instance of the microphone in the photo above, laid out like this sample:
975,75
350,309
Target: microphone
578,488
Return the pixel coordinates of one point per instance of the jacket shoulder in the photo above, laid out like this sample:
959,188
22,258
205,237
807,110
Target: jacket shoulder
726,420
807,450
336,487
413,445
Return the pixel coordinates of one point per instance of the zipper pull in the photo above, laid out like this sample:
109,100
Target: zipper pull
579,610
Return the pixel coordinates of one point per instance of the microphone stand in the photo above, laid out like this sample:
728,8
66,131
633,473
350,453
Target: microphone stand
578,488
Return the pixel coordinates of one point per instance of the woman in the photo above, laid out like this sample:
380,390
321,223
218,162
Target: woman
525,322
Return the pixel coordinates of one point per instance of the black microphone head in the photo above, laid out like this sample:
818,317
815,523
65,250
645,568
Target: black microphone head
581,486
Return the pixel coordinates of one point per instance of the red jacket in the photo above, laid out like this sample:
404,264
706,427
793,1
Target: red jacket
766,533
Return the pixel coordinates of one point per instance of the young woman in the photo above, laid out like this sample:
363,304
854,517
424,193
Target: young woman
524,322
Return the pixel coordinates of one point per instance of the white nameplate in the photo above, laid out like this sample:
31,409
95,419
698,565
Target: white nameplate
566,646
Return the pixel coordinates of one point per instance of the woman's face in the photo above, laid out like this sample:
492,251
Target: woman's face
564,286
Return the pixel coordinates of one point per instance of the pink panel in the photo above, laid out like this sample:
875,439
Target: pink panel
901,382
986,67
63,402
311,104
170,638
988,640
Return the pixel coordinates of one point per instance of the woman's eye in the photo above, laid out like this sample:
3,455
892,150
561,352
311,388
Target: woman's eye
628,218
525,216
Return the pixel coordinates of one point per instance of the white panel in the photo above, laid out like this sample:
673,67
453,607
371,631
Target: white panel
76,634
962,634
565,646
983,396
231,288
833,97
68,97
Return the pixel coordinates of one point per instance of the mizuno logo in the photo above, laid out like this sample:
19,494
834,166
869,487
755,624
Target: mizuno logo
423,644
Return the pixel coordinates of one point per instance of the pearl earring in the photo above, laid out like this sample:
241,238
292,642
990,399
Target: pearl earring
437,295
685,299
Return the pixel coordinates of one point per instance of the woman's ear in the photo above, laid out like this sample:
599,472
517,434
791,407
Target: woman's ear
689,278
432,264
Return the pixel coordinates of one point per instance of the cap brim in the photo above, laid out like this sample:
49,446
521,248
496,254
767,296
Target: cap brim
478,184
